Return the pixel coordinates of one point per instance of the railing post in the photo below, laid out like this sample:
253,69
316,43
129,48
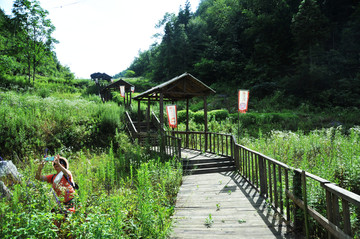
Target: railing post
304,193
161,103
298,213
179,148
262,174
236,156
138,119
206,123
187,124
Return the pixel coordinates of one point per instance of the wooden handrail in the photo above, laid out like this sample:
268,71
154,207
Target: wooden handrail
275,185
130,122
276,181
131,127
272,179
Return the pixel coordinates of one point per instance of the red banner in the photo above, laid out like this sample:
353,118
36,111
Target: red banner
122,91
243,99
172,115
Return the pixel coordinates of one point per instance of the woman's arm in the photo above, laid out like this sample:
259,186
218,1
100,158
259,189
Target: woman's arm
38,175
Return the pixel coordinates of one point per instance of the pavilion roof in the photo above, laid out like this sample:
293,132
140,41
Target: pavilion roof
181,87
117,84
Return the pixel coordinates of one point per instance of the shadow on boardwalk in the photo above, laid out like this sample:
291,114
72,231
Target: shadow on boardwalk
224,205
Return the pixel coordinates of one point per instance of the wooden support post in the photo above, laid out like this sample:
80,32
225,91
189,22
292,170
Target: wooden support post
206,123
281,190
346,216
257,170
187,123
161,116
148,116
179,149
306,214
236,156
298,213
148,123
329,210
270,182
262,169
287,201
139,116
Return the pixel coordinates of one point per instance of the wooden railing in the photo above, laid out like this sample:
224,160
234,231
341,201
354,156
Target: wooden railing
130,126
172,146
217,143
287,189
169,145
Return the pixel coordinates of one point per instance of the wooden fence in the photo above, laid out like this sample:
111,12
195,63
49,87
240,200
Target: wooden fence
168,144
287,189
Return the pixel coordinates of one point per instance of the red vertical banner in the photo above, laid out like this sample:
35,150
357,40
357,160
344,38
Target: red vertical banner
132,89
122,91
243,99
172,115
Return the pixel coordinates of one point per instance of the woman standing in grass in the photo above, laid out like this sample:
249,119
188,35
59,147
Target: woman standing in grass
62,182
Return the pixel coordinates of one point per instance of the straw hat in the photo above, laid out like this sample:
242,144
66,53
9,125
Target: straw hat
63,161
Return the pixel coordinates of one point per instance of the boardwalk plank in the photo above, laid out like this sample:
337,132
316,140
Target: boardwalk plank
236,208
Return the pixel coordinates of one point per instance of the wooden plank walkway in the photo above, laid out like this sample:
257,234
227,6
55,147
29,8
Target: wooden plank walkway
223,205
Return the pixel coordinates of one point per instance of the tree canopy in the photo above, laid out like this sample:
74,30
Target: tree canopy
308,49
26,42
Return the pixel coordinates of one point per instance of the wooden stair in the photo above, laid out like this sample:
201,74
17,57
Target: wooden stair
208,165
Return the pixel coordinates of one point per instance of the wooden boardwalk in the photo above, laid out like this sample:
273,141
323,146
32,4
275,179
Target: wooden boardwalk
223,205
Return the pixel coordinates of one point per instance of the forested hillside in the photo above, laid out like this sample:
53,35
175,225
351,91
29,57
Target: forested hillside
306,49
27,44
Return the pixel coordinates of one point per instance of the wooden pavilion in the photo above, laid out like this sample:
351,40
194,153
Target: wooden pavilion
106,91
183,87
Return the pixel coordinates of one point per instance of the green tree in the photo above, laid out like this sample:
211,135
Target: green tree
36,40
310,28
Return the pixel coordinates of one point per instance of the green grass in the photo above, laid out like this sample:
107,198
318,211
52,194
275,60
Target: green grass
30,123
113,203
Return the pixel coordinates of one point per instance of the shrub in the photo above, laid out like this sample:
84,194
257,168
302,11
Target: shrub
182,116
221,114
199,117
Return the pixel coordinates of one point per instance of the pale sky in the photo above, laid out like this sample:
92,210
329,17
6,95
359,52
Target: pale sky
104,35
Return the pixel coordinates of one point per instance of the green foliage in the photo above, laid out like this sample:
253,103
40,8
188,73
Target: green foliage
303,49
114,203
26,46
218,115
328,153
130,73
30,123
181,114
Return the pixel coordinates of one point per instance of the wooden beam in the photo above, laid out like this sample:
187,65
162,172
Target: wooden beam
138,120
206,123
187,123
161,105
148,117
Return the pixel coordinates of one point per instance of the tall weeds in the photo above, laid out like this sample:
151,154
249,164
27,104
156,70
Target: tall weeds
29,123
